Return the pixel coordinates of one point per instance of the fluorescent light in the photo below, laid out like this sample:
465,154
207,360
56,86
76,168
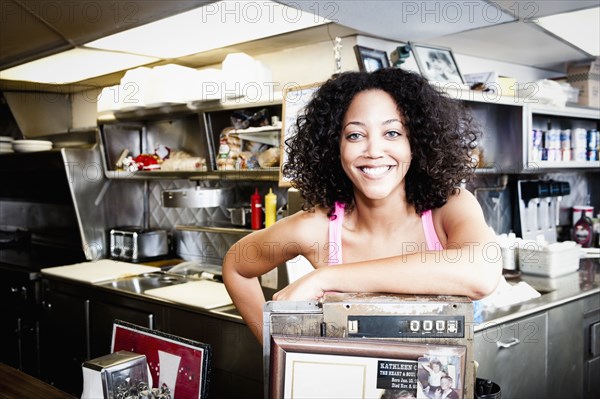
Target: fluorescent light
579,28
212,26
73,66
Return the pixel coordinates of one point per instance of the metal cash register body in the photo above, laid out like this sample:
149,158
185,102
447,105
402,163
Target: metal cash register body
379,334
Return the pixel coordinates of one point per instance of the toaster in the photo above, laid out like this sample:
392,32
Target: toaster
134,244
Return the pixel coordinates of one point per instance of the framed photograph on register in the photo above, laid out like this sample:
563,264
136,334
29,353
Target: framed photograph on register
370,60
436,64
320,367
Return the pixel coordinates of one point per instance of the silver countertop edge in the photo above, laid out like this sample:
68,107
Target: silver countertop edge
537,305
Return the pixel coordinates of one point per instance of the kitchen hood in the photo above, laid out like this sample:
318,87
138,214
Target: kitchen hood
35,114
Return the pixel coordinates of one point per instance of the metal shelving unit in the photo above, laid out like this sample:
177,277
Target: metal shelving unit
190,127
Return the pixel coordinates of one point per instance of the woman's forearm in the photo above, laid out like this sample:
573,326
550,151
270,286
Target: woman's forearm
461,271
247,296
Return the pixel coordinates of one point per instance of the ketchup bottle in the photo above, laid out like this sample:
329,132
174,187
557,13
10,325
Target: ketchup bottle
256,205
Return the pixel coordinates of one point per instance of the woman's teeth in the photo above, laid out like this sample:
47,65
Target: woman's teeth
375,171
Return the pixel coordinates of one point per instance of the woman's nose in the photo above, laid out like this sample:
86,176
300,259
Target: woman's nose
374,148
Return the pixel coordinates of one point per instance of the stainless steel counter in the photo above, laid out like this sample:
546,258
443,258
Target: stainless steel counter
555,292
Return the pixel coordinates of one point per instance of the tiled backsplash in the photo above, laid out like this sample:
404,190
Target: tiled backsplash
197,245
498,207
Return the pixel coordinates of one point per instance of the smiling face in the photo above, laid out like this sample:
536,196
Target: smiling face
374,147
446,383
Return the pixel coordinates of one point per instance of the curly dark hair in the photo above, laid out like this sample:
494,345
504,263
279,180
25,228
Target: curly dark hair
442,134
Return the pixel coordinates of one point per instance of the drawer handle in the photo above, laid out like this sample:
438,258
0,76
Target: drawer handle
508,344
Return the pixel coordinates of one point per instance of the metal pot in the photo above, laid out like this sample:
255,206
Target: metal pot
239,216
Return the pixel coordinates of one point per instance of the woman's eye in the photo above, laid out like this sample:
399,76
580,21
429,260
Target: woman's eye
353,136
393,133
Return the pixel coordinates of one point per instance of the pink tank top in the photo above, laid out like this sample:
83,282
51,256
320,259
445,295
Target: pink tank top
335,233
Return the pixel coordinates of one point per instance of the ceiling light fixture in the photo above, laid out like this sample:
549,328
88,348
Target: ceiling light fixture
74,65
212,26
579,28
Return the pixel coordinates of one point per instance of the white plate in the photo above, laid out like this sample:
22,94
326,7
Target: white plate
6,139
30,145
4,145
31,148
38,142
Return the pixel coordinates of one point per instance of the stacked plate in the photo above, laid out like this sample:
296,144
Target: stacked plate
6,144
31,145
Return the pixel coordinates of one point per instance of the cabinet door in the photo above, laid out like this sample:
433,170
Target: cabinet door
236,359
565,351
513,355
19,329
64,340
102,316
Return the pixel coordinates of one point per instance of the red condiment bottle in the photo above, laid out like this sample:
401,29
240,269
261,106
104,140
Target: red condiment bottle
257,214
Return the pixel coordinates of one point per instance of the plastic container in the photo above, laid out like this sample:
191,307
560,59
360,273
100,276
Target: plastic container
549,260
508,249
270,208
256,212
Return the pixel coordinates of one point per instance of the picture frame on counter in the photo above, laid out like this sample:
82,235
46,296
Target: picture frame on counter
370,60
317,367
166,355
437,64
295,99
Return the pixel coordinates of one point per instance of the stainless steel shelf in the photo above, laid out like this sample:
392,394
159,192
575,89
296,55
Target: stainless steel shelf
264,174
214,229
167,110
544,165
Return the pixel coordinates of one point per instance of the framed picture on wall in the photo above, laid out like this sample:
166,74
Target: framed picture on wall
295,99
436,64
370,60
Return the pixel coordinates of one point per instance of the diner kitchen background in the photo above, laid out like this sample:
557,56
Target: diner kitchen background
182,161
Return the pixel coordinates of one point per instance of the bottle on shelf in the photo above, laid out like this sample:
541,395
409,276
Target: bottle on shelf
583,229
270,208
256,210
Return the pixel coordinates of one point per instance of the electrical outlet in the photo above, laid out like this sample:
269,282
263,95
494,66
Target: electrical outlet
269,280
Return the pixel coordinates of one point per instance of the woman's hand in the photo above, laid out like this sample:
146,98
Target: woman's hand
311,286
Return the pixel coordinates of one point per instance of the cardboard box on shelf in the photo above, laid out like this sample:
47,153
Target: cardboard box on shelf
586,78
503,85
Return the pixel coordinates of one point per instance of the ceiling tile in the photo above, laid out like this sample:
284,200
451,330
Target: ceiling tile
520,43
407,20
36,28
530,10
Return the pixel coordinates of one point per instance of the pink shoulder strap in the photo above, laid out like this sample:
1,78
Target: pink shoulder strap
335,235
433,242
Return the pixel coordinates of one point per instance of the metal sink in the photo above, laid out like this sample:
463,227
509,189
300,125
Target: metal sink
143,282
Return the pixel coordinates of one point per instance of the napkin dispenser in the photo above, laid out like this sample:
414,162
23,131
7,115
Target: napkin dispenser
115,376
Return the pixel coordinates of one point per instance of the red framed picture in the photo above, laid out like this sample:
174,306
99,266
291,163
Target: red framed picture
183,365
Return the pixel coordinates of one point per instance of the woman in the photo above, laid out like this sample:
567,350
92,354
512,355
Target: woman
378,158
